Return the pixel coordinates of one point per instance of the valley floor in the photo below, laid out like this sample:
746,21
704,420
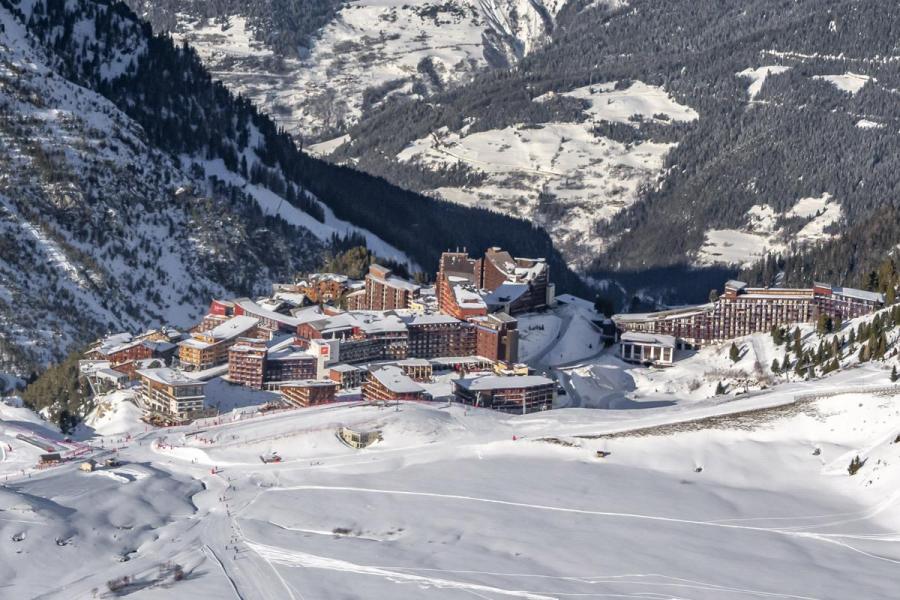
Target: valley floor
458,502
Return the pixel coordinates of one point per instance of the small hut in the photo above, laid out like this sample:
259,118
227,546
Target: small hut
358,439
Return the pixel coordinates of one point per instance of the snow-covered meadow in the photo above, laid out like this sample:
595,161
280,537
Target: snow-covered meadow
558,168
460,502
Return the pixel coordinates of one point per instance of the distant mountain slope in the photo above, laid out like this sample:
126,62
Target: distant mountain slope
795,136
100,230
139,209
318,65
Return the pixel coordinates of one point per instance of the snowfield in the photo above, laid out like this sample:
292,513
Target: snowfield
547,171
699,497
371,50
762,233
848,82
758,77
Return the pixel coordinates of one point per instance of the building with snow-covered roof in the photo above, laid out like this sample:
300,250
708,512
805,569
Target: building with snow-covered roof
390,384
386,291
647,348
514,394
307,392
319,288
742,310
123,351
521,284
206,349
497,337
462,364
171,395
435,335
364,336
417,369
262,364
346,376
267,318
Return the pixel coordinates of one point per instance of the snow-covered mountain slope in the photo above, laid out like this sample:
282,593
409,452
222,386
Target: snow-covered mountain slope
365,52
100,229
793,104
708,502
566,176
136,187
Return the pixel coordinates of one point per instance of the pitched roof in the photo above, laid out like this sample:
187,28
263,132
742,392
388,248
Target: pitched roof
396,381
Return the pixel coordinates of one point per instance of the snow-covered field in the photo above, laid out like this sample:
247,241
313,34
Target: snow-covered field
458,503
563,334
544,171
371,50
847,82
758,77
762,232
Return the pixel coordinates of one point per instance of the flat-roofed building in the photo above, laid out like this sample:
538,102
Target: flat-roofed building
210,348
436,335
742,310
170,394
346,376
386,291
497,337
462,364
308,392
515,394
417,369
390,384
647,348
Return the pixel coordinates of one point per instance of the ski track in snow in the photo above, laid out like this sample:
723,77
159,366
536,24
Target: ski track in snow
624,515
405,574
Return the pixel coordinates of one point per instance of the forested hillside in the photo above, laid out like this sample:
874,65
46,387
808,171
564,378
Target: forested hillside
114,136
796,138
317,66
100,229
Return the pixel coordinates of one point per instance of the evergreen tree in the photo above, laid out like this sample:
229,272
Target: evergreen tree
864,353
777,336
824,324
720,389
894,375
776,368
798,344
734,353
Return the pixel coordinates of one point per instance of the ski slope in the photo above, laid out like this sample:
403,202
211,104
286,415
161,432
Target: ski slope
458,502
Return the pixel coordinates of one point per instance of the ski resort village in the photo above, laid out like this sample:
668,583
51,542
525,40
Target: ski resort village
383,438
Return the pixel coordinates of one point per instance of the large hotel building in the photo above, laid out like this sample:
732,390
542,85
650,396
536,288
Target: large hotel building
743,310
